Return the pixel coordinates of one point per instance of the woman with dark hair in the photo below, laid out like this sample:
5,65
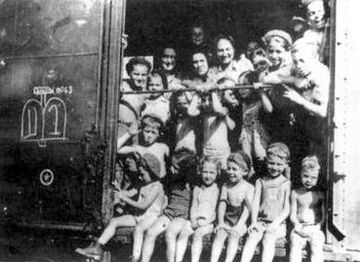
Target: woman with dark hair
168,63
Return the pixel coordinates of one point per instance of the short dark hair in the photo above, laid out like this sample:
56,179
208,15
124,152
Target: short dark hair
152,120
162,76
137,61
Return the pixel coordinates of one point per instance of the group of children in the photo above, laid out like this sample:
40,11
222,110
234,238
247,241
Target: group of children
196,206
244,183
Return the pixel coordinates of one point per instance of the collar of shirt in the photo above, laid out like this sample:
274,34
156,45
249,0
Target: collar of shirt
232,67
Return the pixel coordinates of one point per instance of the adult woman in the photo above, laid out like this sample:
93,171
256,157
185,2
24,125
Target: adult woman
130,105
227,65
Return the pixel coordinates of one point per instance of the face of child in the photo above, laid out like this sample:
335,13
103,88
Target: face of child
130,165
309,178
225,51
208,173
197,35
182,103
168,59
229,98
150,135
275,165
139,75
155,84
315,14
252,46
302,62
200,64
235,172
244,93
275,52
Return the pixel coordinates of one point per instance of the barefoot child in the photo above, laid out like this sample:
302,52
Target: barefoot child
236,196
271,205
307,213
202,213
150,204
176,214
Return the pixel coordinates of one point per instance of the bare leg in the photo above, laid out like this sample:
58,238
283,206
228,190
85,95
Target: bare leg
171,235
218,244
109,232
151,234
268,251
197,241
250,245
182,241
296,245
139,236
316,246
233,244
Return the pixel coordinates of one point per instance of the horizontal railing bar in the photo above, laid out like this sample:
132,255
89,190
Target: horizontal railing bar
190,89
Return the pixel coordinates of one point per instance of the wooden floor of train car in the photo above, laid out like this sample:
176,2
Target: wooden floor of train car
124,236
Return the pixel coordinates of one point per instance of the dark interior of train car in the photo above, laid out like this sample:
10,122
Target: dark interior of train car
151,23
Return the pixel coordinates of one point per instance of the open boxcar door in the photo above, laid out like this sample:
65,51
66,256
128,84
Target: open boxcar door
59,76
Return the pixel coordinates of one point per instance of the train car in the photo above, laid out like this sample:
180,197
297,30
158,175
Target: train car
61,67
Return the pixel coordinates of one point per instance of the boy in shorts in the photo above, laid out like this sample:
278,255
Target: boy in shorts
307,213
233,210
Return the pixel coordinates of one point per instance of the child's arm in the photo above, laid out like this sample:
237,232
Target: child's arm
266,103
247,210
255,204
222,206
319,109
193,109
217,106
133,130
286,209
193,213
230,123
126,149
293,212
146,201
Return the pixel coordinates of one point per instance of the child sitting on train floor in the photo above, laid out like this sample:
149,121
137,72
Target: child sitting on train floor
271,205
307,213
233,210
202,212
150,202
151,128
176,214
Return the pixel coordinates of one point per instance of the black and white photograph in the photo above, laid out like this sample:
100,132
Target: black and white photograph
179,131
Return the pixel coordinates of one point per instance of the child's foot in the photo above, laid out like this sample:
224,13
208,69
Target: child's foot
134,259
94,251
